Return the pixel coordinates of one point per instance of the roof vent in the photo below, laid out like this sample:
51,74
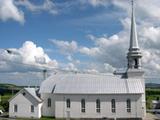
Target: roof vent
24,93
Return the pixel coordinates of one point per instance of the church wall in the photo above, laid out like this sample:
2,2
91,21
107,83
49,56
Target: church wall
48,111
61,111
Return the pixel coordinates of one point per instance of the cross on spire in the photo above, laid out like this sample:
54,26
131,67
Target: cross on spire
132,3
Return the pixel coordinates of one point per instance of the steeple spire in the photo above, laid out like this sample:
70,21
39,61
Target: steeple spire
133,34
134,54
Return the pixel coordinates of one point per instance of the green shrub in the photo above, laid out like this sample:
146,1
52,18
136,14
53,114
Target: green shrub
5,105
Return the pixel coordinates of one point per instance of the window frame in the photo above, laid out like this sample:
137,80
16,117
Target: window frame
15,108
83,106
49,102
32,108
113,106
128,105
68,103
98,106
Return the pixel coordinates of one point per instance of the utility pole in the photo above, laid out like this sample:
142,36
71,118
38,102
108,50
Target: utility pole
44,74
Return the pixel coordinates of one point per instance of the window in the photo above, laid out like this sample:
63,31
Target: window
83,106
128,105
32,108
136,63
49,102
15,108
68,103
98,106
113,105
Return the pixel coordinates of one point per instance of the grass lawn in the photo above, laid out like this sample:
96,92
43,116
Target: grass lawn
47,118
6,97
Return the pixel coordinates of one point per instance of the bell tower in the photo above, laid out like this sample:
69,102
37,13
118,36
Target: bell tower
134,55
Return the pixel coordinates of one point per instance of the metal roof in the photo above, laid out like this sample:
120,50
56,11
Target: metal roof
78,83
32,91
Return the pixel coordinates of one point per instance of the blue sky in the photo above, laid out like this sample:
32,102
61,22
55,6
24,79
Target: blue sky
73,24
81,35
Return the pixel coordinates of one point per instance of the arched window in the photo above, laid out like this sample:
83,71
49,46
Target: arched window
68,103
113,105
49,102
128,105
136,63
83,106
98,106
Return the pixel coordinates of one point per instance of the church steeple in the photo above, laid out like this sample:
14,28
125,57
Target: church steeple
134,54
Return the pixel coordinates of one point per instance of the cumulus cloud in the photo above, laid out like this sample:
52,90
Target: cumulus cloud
8,10
109,52
70,67
29,57
113,48
89,51
32,54
65,46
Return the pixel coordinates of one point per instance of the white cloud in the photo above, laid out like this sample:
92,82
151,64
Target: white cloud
145,9
89,51
69,57
65,46
109,68
113,49
94,3
150,36
47,6
70,67
149,7
91,71
27,58
109,52
32,54
8,10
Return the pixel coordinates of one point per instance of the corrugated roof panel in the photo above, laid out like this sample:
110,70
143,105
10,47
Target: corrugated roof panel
72,83
135,86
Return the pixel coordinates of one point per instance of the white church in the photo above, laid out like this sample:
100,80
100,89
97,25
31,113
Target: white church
87,96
